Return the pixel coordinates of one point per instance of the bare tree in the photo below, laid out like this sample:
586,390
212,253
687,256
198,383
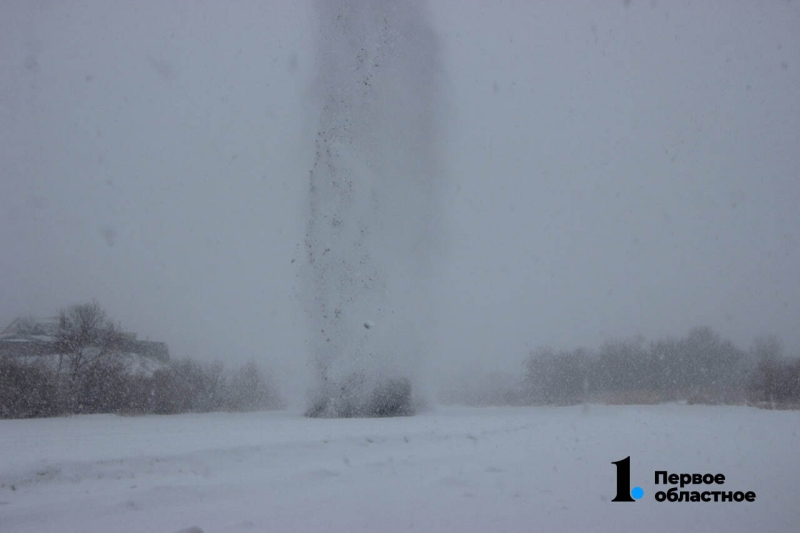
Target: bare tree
86,338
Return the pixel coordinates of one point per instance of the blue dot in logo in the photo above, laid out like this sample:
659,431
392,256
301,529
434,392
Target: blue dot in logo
637,493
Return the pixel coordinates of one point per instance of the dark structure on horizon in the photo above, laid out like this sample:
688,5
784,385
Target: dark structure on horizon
31,337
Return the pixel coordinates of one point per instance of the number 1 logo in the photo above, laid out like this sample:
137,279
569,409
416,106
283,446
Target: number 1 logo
624,492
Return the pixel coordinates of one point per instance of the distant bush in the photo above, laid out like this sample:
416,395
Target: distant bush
189,386
102,387
251,389
36,389
775,381
698,368
630,397
27,390
558,378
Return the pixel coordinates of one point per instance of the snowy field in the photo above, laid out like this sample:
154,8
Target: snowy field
453,469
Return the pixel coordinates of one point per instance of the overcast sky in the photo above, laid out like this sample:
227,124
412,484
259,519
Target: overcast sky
612,168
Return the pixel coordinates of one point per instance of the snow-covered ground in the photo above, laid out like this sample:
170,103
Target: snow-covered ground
453,469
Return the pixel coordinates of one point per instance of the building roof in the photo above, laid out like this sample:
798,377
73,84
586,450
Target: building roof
30,336
27,326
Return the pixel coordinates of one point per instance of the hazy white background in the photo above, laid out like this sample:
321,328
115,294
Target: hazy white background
613,168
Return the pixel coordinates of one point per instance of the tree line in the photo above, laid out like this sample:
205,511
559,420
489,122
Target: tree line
699,367
90,375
